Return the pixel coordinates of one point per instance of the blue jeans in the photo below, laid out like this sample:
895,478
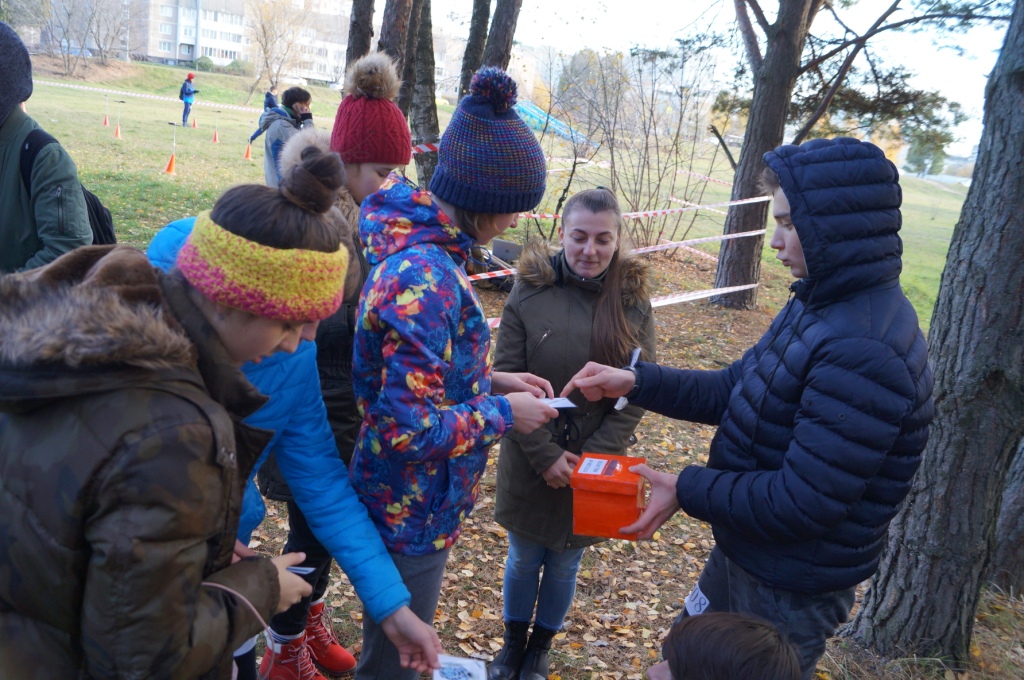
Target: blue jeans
184,115
523,582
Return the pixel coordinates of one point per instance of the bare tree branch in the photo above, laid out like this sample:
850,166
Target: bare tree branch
759,15
749,37
721,142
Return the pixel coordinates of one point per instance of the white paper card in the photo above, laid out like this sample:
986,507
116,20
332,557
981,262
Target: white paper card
593,466
696,602
457,668
559,402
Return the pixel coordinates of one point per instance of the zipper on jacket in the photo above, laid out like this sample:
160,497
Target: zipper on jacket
535,347
60,208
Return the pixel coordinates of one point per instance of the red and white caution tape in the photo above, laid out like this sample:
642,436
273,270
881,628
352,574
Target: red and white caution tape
424,148
707,256
669,211
694,241
539,216
697,205
665,300
697,295
156,97
710,179
492,275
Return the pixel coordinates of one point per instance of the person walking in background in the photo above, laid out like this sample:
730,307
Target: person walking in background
422,374
821,424
281,124
187,94
269,102
41,221
587,301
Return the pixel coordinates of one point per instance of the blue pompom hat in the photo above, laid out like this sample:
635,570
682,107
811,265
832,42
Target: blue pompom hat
489,160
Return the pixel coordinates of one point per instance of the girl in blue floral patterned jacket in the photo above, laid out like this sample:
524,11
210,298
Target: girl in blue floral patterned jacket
422,373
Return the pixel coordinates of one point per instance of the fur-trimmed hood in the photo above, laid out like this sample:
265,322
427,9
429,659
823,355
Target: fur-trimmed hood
536,266
96,306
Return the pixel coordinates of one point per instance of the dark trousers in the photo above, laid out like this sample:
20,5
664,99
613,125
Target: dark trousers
422,575
808,619
301,539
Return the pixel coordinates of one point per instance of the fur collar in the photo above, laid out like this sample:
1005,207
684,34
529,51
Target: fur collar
535,268
95,306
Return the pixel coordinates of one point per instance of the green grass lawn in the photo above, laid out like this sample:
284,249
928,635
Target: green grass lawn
128,174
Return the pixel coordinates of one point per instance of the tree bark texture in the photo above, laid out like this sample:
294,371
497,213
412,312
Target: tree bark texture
394,29
423,113
473,57
1007,568
498,50
739,260
409,71
923,599
360,31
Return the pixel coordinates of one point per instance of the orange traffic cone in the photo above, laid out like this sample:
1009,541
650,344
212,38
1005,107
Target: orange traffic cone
248,152
106,123
117,132
216,139
194,123
170,166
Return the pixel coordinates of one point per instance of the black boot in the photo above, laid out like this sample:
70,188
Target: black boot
535,662
506,663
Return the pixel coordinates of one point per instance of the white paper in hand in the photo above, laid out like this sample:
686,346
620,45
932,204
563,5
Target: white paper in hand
559,402
457,668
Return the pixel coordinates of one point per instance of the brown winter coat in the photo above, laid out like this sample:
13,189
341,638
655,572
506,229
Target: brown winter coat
122,457
546,330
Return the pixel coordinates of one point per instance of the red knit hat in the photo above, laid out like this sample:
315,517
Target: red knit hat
369,127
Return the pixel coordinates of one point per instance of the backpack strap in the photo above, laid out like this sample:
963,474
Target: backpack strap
30,148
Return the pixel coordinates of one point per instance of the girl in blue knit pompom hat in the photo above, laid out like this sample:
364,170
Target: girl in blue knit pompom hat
430,403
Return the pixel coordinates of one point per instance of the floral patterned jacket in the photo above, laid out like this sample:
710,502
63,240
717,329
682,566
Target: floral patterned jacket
422,374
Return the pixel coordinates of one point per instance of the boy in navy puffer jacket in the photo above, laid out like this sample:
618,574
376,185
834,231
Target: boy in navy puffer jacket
821,424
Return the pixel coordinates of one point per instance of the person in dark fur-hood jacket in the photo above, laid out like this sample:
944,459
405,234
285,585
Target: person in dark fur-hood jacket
821,424
123,451
587,300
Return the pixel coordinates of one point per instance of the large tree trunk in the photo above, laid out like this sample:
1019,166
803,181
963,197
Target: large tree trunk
360,32
1007,568
739,260
394,30
473,58
423,114
409,71
923,599
498,50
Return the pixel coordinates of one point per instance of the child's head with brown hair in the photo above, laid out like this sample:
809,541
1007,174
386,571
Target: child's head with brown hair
726,646
267,263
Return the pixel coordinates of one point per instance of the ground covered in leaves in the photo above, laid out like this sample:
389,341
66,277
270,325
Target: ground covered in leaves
629,593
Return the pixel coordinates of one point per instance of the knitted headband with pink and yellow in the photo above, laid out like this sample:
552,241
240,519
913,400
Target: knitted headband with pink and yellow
293,285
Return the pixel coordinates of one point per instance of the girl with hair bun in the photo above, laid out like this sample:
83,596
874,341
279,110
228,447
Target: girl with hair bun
431,405
303,213
588,301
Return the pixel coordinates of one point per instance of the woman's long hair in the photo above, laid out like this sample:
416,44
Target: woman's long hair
612,337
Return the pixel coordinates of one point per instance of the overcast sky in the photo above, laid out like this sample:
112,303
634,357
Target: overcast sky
570,25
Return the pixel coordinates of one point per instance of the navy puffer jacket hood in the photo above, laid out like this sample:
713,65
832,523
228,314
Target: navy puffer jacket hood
822,422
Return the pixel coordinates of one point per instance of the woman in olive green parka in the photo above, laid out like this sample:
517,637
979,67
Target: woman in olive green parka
568,307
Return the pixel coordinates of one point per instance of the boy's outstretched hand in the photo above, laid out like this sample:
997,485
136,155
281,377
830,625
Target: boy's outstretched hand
597,381
663,503
417,642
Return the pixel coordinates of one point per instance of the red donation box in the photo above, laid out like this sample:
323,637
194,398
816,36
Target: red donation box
606,495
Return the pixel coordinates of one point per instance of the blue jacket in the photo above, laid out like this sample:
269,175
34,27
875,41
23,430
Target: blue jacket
821,424
269,100
308,458
188,91
421,373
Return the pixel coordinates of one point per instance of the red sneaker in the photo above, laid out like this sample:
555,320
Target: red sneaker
323,644
288,661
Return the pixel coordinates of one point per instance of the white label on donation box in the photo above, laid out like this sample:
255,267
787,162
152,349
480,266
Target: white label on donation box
593,466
